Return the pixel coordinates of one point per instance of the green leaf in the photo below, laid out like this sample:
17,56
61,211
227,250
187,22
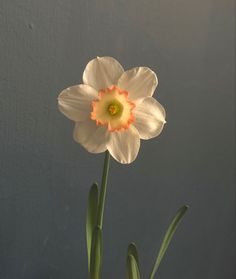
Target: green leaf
91,219
167,238
132,250
132,271
96,254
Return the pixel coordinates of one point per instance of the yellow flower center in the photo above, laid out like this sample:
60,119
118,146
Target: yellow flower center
113,109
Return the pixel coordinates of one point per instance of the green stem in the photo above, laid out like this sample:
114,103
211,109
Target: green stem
102,195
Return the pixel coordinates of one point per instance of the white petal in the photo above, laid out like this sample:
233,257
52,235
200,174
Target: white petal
140,82
124,146
92,137
149,118
75,101
102,72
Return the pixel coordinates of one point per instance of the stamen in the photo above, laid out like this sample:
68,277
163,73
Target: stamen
113,109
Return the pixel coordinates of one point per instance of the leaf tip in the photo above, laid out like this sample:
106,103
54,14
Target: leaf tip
185,207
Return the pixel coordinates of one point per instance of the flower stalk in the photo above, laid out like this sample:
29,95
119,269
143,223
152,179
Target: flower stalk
102,196
94,222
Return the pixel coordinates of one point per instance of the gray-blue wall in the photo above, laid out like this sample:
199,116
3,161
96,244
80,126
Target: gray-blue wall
45,176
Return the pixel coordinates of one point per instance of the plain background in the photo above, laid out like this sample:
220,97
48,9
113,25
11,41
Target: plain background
45,176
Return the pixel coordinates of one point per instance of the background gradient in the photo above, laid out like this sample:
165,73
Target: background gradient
45,176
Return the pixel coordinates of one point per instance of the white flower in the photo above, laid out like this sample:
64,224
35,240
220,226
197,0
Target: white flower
114,108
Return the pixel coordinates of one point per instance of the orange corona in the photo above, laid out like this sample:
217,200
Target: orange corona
113,109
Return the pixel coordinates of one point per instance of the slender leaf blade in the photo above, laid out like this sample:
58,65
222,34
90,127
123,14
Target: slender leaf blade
132,250
167,238
91,218
132,271
96,254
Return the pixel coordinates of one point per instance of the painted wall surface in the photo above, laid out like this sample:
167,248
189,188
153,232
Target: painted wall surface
45,176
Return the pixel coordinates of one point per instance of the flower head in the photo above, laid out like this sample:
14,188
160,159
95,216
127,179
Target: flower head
113,109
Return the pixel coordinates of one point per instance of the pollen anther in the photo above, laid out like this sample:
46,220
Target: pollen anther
113,109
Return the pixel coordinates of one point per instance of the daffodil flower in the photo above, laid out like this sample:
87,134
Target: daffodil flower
113,109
